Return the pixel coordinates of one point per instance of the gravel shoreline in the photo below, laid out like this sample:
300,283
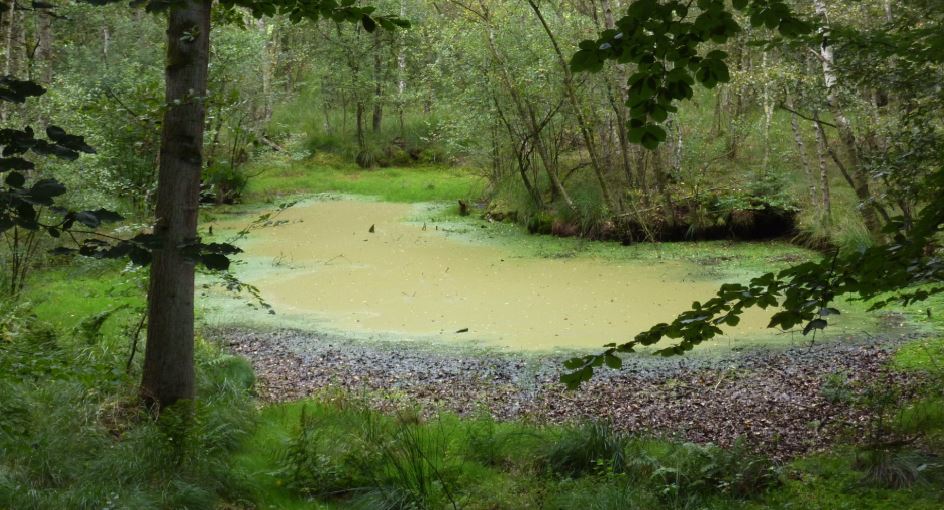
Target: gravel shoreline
771,399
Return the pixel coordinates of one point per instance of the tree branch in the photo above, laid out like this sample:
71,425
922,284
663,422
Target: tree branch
783,106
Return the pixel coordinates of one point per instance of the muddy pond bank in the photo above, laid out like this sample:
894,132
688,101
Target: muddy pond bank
772,399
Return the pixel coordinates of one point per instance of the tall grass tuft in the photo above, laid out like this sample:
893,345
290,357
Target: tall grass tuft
376,461
896,468
493,446
679,472
582,449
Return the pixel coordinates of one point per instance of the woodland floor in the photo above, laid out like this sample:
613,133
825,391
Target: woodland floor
772,399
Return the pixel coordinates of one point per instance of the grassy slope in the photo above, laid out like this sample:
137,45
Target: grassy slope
66,296
72,431
926,353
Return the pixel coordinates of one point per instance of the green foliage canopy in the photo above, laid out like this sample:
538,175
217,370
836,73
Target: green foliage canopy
907,268
664,40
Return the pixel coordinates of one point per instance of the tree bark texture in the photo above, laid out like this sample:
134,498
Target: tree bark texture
801,151
168,362
860,179
823,174
376,121
45,45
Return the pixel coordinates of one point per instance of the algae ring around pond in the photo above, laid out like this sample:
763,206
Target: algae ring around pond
360,268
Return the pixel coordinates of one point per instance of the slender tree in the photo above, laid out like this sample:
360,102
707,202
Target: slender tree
858,178
582,122
801,150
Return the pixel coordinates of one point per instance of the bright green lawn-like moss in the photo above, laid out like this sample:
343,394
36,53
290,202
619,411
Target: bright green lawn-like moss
275,179
921,354
66,296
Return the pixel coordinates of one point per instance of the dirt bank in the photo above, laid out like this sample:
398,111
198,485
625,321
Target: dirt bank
773,399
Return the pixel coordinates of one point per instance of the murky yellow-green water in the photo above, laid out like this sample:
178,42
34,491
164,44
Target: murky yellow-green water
401,280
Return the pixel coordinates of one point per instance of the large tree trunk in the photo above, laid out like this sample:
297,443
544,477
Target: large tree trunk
168,362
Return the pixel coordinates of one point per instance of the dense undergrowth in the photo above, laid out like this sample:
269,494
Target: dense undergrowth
712,196
344,456
74,435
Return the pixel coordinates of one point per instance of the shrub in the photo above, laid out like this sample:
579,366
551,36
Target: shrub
685,470
581,450
221,369
227,182
895,468
352,451
417,472
322,464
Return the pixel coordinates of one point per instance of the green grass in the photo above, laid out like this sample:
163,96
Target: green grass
262,454
67,296
360,457
923,354
73,433
275,178
355,458
926,353
827,482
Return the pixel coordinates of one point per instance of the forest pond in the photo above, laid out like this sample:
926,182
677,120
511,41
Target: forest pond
322,265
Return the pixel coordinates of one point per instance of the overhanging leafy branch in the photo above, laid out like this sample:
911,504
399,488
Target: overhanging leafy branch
664,40
23,203
906,270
